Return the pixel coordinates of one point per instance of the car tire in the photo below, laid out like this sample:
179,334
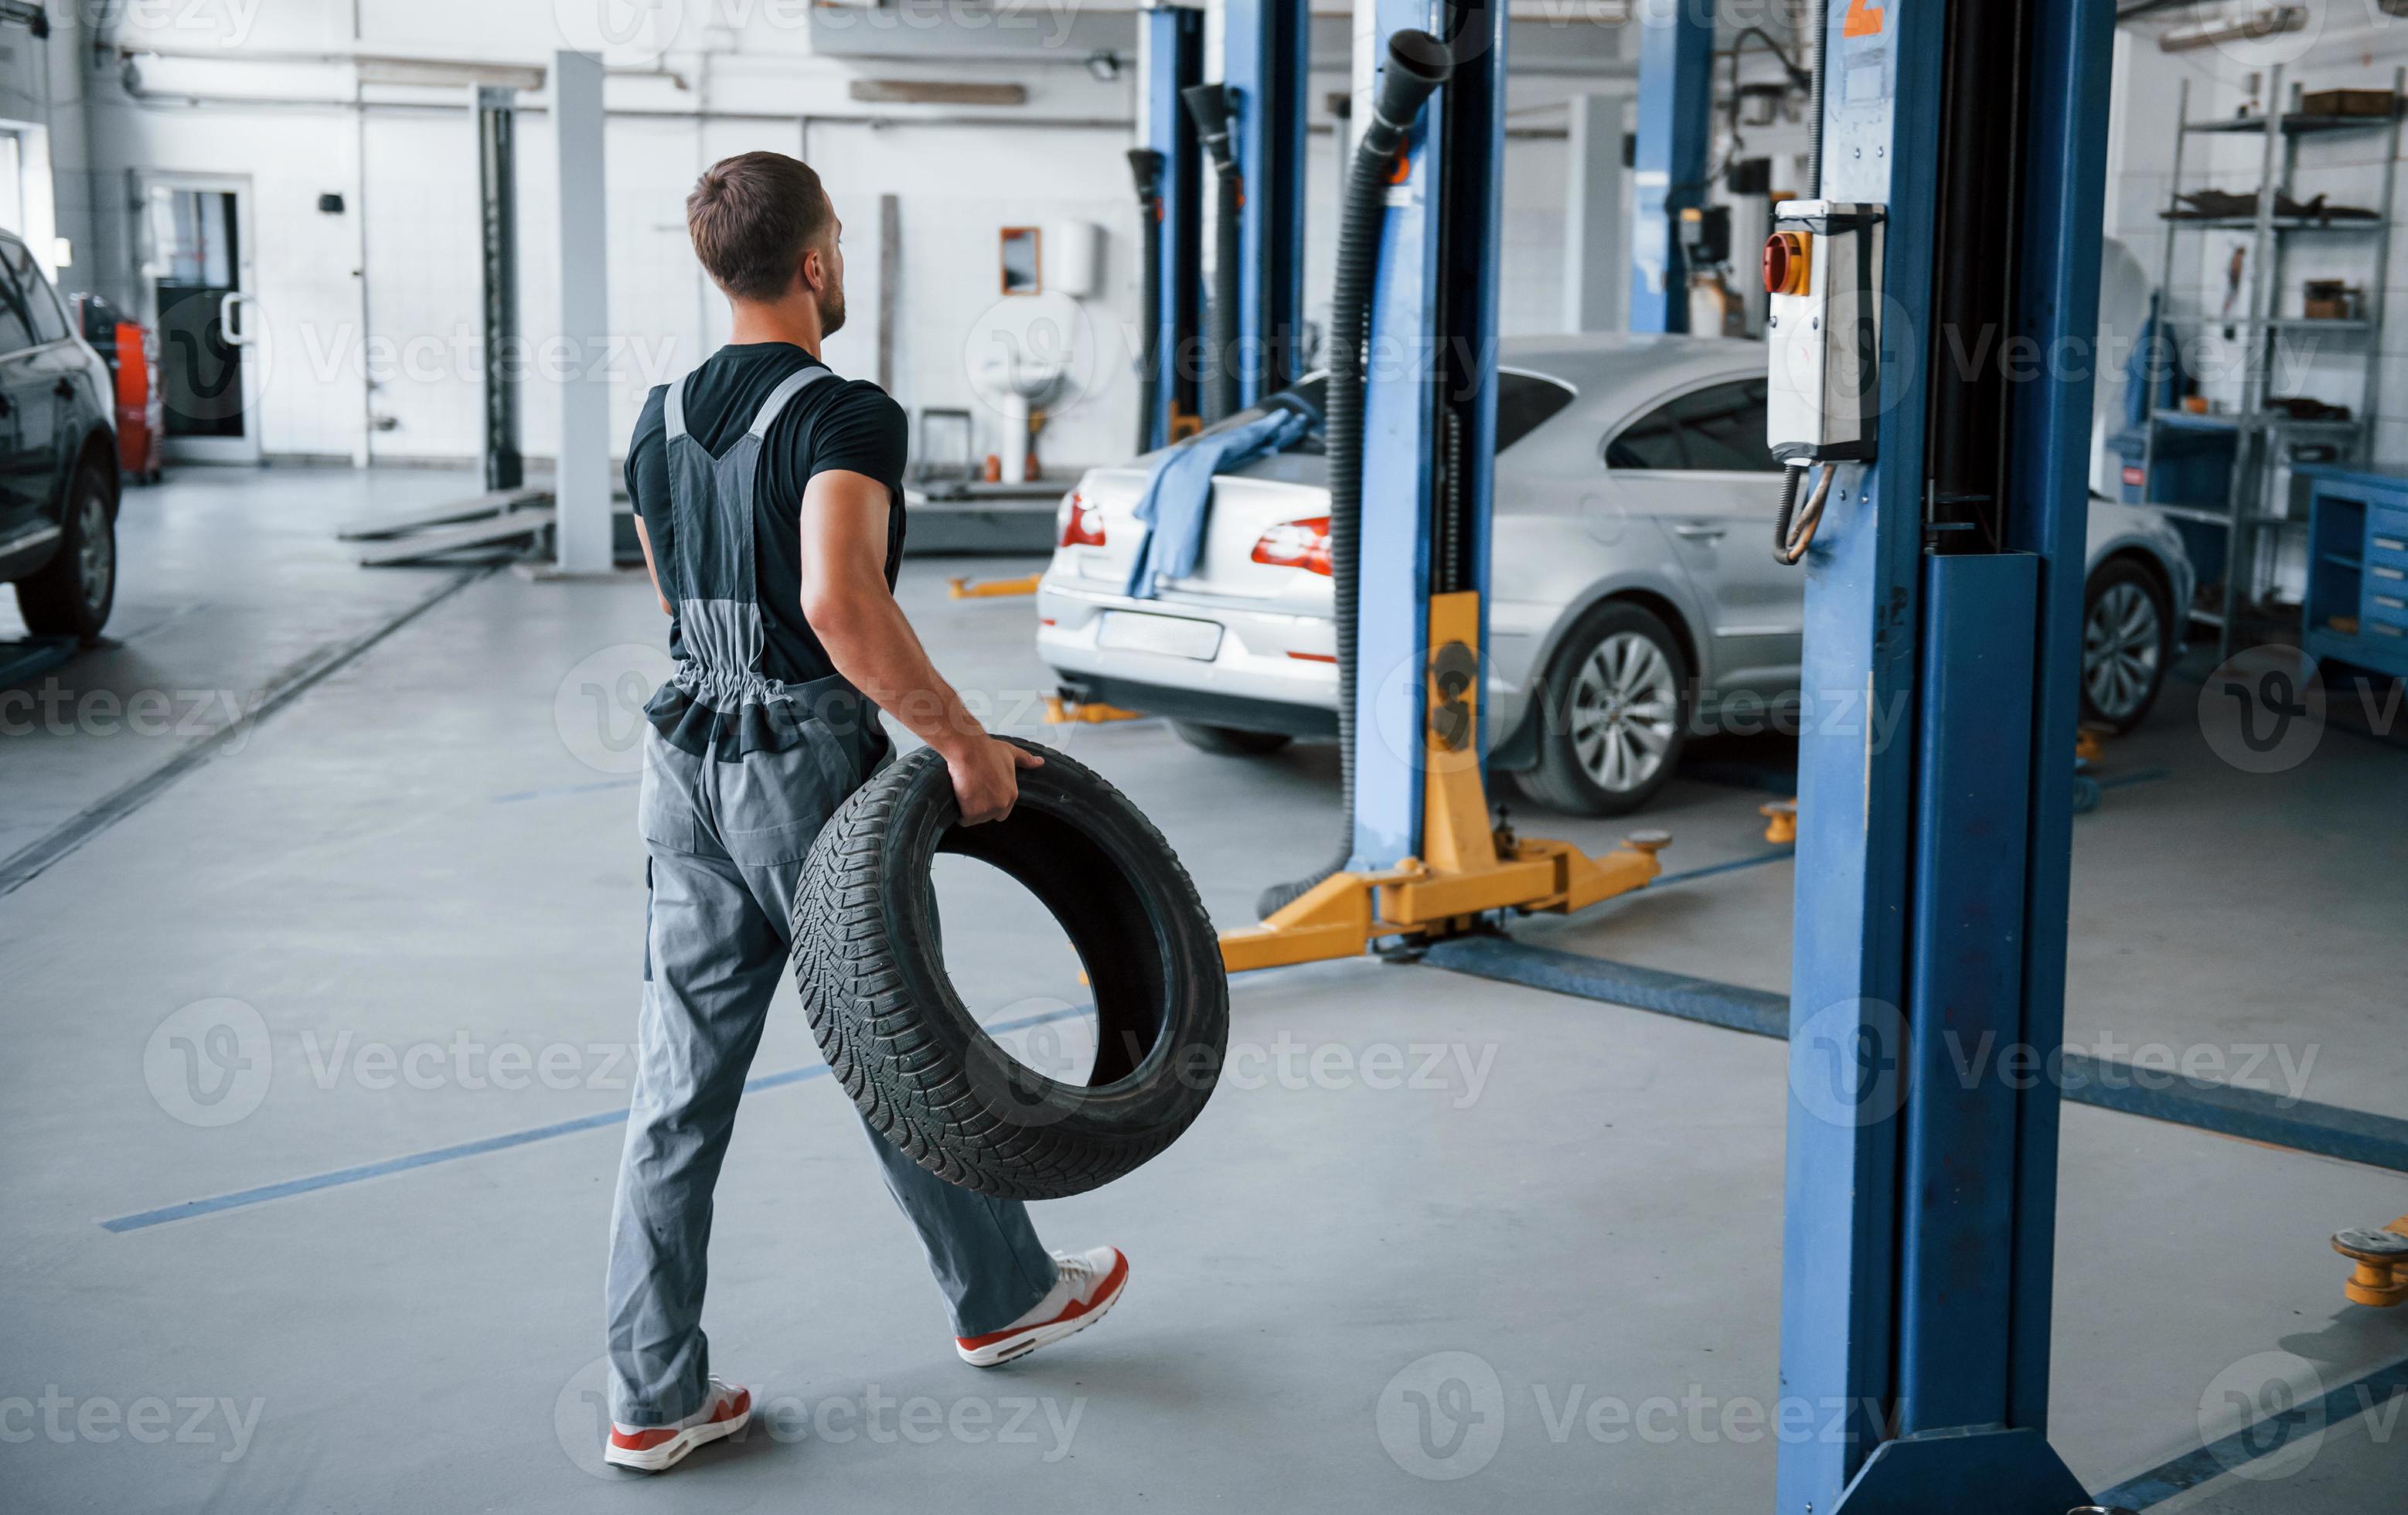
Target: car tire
72,595
2126,644
1614,714
1229,742
898,1036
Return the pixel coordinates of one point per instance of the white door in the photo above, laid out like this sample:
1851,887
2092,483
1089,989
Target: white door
197,276
421,221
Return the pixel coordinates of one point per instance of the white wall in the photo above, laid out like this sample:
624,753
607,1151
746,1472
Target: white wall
2347,46
375,313
2350,168
372,315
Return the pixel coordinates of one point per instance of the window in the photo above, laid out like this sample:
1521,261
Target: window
41,304
1309,395
16,316
1718,430
1525,403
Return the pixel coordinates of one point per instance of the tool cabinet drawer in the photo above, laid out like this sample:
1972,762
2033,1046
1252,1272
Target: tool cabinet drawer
2386,548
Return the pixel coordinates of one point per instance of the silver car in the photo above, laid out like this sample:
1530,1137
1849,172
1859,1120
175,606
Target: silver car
1634,600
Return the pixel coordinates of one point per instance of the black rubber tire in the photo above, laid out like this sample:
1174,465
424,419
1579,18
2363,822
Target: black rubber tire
2111,574
1229,742
895,1033
1558,780
53,600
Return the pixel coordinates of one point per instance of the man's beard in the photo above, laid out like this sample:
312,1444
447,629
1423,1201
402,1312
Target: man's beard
832,311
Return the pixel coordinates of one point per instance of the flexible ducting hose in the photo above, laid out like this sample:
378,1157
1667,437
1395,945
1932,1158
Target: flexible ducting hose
1786,547
1207,104
1145,166
1417,64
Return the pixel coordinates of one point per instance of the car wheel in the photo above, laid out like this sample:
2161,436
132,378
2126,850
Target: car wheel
72,595
1612,715
2125,638
1229,742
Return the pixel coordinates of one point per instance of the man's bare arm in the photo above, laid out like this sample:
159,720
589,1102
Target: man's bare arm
644,541
870,641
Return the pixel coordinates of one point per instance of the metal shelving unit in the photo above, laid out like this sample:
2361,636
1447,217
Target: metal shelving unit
2264,432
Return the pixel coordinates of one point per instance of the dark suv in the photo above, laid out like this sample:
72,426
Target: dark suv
58,459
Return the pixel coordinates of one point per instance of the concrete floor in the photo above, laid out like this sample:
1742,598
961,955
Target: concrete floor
427,857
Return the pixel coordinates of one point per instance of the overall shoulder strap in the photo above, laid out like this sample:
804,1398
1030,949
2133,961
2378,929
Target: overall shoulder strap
794,384
673,410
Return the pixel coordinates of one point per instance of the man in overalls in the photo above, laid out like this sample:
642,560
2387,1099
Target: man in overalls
768,496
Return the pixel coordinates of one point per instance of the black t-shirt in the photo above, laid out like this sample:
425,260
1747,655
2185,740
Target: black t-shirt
853,425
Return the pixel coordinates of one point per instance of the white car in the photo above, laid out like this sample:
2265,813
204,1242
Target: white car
1634,597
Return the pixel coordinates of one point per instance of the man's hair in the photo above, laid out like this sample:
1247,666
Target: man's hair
752,216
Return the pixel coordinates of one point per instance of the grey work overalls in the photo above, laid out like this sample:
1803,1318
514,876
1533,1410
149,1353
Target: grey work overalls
727,830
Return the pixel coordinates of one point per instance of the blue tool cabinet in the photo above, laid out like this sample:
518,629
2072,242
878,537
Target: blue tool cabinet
2357,609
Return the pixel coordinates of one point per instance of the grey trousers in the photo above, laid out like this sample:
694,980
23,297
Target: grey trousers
726,843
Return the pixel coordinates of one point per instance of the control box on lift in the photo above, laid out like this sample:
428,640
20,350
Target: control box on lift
1823,271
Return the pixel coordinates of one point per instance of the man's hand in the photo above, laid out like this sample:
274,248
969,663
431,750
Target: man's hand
986,777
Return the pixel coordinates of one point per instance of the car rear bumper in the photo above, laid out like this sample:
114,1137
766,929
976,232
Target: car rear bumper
1263,671
1212,707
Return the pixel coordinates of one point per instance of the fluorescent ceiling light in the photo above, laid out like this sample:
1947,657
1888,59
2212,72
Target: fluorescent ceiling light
2266,21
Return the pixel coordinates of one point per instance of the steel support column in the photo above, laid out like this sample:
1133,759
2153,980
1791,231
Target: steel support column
497,199
1171,56
1943,606
1676,99
1265,54
584,530
1429,407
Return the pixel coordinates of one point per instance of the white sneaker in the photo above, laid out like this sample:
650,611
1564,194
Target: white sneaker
651,1448
1089,1284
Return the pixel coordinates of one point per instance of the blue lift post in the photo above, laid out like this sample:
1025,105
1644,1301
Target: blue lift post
1430,395
1266,50
1676,97
1919,1227
1172,47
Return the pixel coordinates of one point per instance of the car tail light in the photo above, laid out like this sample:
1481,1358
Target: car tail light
1080,524
1297,544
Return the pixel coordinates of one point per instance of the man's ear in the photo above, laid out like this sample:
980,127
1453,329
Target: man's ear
812,272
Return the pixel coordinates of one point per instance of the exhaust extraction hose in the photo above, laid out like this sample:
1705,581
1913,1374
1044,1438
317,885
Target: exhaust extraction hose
1418,63
1207,104
1145,165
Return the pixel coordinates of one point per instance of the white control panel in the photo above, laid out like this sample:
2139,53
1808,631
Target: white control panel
1823,273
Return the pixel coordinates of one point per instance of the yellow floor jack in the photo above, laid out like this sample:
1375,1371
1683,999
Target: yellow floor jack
1470,869
1062,712
963,586
2381,1278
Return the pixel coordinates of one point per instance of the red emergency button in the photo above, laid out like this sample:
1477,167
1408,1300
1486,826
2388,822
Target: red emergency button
1786,262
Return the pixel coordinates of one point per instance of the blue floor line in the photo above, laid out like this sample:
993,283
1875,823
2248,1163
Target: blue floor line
217,1204
562,790
1776,855
2104,1083
2263,1438
2141,776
